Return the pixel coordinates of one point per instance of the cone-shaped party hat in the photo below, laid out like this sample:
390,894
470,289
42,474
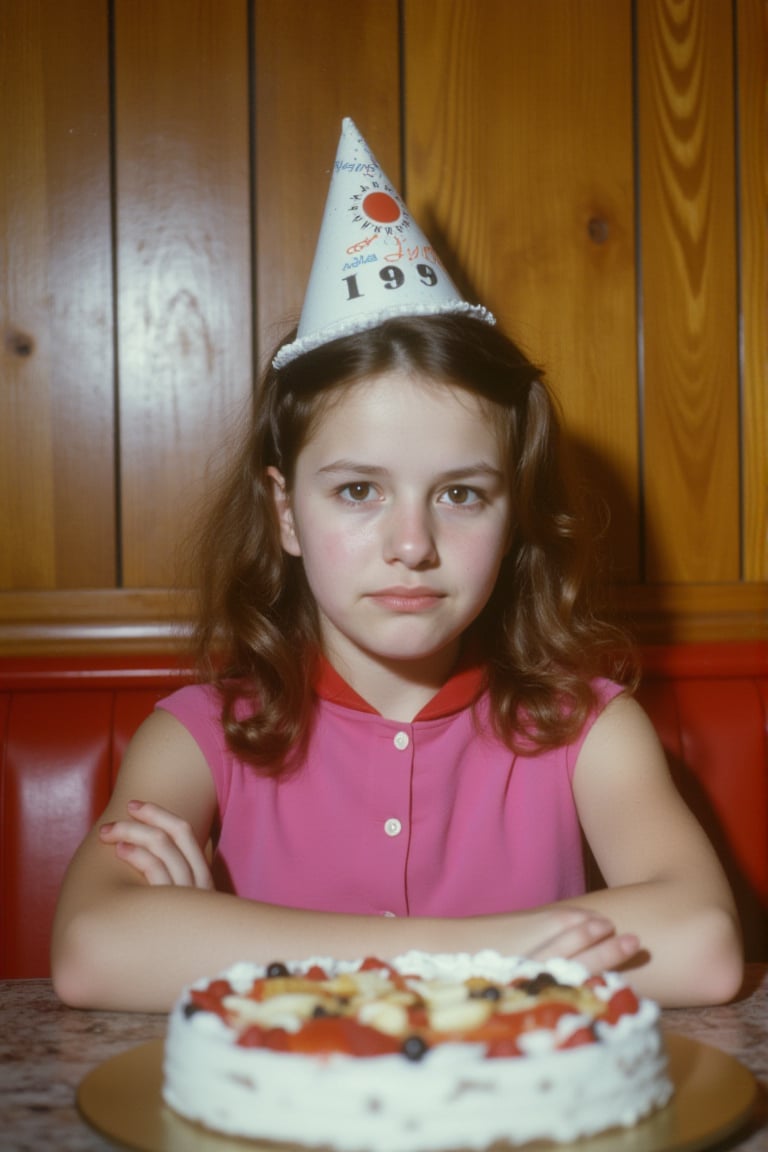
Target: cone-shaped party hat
372,261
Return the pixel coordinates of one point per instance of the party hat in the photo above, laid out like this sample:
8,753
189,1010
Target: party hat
372,260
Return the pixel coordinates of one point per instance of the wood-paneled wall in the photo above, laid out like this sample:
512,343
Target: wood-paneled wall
592,170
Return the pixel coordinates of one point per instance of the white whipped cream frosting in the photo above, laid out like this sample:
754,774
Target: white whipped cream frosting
452,1098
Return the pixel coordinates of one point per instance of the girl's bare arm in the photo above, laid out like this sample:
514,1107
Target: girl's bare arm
136,922
664,881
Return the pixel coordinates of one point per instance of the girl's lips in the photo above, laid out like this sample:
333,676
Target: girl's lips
406,599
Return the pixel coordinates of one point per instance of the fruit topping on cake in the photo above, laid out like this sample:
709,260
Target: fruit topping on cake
378,1010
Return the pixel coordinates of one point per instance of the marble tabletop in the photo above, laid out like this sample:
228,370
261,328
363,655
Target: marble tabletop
47,1049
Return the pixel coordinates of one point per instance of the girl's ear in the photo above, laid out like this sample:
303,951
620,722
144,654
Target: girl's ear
282,502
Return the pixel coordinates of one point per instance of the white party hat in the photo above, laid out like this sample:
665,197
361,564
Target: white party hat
372,261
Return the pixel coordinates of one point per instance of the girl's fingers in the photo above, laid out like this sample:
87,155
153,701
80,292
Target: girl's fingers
180,833
160,846
566,931
611,953
590,939
137,844
572,941
150,866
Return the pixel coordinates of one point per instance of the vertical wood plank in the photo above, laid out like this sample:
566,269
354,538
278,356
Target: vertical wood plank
752,63
184,323
315,64
519,154
56,363
686,91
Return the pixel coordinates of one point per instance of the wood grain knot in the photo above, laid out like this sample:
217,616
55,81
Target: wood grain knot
598,229
19,344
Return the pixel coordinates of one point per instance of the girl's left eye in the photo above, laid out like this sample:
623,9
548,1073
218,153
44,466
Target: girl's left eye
460,494
357,493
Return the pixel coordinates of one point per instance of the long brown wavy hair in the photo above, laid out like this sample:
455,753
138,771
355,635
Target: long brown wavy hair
258,635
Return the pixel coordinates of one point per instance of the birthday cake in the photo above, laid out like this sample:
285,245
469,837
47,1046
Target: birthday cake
427,1052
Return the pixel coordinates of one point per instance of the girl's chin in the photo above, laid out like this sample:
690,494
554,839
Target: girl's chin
415,656
411,646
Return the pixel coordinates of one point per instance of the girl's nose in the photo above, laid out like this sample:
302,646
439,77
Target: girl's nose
409,538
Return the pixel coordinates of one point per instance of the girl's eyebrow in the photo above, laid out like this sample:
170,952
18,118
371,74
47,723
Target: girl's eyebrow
357,468
478,468
353,466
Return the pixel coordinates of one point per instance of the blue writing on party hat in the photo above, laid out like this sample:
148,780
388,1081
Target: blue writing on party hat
372,260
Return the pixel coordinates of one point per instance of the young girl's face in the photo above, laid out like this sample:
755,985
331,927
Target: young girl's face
401,513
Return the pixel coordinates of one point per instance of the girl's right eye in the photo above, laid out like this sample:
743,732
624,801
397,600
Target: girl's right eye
357,493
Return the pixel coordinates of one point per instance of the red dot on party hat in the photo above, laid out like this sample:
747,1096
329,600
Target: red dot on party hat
381,207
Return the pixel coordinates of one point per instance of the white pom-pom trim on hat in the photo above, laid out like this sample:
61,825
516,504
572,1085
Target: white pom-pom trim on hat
313,340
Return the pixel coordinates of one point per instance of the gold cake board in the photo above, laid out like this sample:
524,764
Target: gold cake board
714,1096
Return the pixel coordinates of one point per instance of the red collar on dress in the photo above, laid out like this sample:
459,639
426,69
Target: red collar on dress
459,691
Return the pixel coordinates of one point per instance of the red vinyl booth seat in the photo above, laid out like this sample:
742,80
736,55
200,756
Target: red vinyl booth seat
709,704
64,727
65,723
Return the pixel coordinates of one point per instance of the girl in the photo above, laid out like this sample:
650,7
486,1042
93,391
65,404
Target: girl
403,728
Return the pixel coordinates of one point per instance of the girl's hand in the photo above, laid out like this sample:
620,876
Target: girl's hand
583,935
158,845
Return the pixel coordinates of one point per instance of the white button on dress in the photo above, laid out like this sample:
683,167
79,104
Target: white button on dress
401,741
393,827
